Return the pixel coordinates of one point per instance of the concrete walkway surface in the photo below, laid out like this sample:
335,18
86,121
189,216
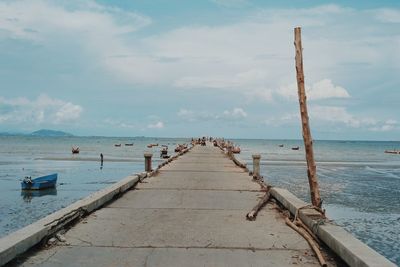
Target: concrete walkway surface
193,213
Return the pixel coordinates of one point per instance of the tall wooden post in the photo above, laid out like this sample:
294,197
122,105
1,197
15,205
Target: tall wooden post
308,142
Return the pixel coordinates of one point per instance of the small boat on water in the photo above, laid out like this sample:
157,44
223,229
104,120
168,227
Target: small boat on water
39,183
129,144
75,150
394,151
117,145
151,145
281,145
296,148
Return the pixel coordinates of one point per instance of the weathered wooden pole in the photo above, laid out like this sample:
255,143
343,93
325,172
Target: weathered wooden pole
308,142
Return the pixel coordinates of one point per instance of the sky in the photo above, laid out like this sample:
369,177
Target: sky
181,68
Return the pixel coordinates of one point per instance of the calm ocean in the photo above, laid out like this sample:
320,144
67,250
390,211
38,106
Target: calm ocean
360,185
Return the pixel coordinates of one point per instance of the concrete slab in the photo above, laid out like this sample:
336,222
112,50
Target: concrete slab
185,228
188,199
191,257
203,180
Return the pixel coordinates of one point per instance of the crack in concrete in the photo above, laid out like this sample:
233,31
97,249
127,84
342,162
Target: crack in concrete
51,255
84,241
148,256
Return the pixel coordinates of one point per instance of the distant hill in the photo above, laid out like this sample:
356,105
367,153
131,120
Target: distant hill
9,134
45,132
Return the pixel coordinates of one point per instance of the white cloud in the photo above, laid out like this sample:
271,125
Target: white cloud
251,56
42,110
263,94
323,89
382,128
231,3
254,78
286,119
236,113
157,125
68,112
334,117
203,115
198,115
39,20
386,126
388,15
391,122
120,123
186,114
335,114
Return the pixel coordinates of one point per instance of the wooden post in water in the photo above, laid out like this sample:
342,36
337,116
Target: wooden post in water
308,142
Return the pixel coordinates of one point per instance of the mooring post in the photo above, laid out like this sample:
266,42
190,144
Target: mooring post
308,143
147,162
256,165
229,148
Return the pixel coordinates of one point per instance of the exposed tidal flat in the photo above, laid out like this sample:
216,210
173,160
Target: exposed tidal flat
78,175
360,185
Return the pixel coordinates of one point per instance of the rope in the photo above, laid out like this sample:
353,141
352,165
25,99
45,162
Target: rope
315,226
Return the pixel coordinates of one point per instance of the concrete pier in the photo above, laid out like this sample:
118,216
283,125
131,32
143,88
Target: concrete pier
193,213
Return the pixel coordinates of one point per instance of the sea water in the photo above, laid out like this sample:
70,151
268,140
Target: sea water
360,184
79,175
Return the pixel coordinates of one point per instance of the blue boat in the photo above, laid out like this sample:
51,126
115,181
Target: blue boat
39,183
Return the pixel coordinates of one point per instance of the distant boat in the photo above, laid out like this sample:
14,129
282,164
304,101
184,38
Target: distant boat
392,151
129,144
117,145
75,150
295,148
39,183
151,145
281,145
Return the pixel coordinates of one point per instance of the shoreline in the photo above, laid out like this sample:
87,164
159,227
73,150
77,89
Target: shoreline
89,159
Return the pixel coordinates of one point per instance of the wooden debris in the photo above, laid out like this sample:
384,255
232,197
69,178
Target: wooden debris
251,216
300,223
309,239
